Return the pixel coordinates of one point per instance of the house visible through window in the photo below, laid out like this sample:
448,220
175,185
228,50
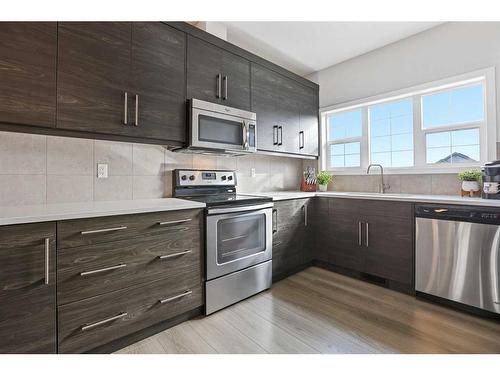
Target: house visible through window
438,127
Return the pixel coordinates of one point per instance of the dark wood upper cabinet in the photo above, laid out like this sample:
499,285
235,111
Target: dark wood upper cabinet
28,288
285,113
159,80
216,75
93,77
122,78
28,73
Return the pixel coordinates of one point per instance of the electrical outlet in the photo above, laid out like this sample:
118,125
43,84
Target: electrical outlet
252,172
102,170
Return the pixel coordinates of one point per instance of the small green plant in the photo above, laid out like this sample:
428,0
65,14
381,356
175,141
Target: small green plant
324,178
470,175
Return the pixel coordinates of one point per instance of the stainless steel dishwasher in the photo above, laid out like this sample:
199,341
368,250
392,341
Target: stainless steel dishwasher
458,254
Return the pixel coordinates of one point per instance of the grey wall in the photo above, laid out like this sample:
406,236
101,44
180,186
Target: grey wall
37,169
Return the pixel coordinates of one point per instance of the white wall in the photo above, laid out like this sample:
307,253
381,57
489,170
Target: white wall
446,50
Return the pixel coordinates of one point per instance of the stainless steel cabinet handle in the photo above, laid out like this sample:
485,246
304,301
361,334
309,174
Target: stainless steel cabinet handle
275,135
367,234
301,140
102,230
186,293
280,133
125,110
275,220
172,222
218,86
225,88
175,254
305,215
359,233
136,110
47,260
101,322
86,273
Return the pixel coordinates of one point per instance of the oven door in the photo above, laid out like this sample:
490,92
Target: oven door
213,130
237,238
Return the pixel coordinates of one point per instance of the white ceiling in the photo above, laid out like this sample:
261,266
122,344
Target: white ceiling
306,47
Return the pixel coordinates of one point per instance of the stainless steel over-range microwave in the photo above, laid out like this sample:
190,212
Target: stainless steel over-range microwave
220,129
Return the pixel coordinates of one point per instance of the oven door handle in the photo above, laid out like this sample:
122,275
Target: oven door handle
214,211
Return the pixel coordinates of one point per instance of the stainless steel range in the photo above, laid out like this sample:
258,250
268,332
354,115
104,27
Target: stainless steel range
238,239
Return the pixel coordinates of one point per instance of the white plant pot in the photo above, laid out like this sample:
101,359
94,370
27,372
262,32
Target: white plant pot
323,187
470,186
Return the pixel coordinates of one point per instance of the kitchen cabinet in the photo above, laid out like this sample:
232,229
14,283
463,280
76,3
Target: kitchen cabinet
286,113
370,237
291,252
28,73
217,75
28,288
121,78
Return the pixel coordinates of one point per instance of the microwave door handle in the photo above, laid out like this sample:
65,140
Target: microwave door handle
245,135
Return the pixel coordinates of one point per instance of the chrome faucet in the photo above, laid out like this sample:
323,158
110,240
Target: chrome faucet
382,187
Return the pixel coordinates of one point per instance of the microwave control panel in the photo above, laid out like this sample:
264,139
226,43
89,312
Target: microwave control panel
206,178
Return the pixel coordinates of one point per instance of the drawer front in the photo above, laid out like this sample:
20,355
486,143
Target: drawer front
290,212
363,207
74,233
93,322
88,271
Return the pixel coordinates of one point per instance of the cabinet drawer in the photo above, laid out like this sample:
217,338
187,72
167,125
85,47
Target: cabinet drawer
73,233
88,271
90,323
364,207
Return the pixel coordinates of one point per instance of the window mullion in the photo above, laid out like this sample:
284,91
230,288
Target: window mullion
365,144
419,150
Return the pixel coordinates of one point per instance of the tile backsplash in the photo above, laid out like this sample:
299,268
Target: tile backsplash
37,169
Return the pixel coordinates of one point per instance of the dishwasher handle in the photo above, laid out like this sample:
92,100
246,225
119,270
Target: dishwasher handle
471,214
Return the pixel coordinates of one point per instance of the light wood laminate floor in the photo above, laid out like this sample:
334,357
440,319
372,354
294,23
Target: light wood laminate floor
317,311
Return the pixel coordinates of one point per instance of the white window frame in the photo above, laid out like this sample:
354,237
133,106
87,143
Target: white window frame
487,128
340,141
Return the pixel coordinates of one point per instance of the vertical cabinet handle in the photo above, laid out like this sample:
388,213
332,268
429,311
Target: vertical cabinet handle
125,110
136,110
275,135
280,135
359,233
47,260
217,95
275,220
301,140
367,233
305,215
225,87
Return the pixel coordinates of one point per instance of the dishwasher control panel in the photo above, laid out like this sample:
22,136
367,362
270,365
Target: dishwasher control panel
472,214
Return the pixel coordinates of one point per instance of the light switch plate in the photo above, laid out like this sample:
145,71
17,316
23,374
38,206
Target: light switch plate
252,172
102,170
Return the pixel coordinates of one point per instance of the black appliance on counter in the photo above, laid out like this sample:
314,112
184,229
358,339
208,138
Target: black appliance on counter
491,180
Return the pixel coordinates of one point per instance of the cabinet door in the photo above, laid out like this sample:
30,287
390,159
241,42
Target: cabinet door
28,73
27,289
235,81
265,95
158,63
204,67
289,237
93,76
389,253
345,235
309,126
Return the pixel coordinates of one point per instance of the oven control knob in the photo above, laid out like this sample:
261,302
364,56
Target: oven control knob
229,178
223,178
191,177
183,177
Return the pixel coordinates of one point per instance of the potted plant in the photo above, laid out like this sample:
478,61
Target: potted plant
470,180
323,178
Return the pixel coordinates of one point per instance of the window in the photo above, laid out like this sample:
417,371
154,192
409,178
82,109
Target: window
391,134
439,126
344,135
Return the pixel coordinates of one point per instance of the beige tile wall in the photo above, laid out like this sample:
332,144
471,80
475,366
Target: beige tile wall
36,169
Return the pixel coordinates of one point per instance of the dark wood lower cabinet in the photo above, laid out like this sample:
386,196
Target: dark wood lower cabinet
28,288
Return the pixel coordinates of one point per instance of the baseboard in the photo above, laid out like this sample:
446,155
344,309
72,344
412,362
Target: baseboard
122,342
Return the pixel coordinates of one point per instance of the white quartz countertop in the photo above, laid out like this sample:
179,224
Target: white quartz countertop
440,199
66,211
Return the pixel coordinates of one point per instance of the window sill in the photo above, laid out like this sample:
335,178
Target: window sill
413,170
